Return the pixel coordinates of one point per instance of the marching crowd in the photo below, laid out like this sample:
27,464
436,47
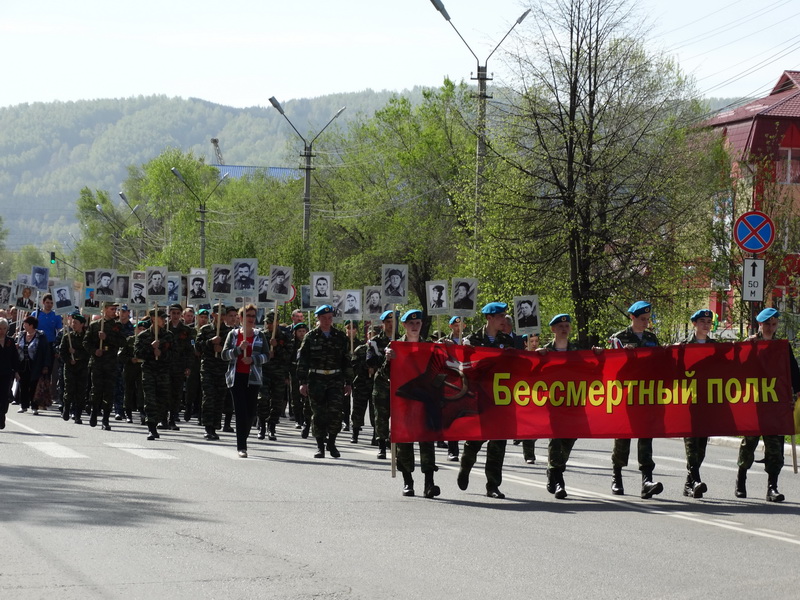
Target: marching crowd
220,368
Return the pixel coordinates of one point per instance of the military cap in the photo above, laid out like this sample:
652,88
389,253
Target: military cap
703,312
639,308
78,317
455,320
395,272
75,313
143,323
108,304
123,307
386,314
495,308
138,284
324,310
411,314
561,318
176,306
766,314
348,322
438,288
152,313
280,273
204,311
270,317
300,325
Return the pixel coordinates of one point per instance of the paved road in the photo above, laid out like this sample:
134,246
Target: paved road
93,514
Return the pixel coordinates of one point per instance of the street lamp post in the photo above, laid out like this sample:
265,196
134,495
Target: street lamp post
201,210
307,155
483,96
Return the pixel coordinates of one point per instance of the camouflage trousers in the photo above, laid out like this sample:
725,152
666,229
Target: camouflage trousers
695,451
773,453
427,457
215,392
495,455
104,378
272,396
380,400
156,390
622,450
558,451
301,406
361,397
326,395
134,396
177,378
75,382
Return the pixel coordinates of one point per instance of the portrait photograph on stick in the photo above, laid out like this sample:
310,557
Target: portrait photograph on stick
463,295
105,282
526,314
156,285
395,283
280,286
221,282
245,271
438,301
321,288
373,303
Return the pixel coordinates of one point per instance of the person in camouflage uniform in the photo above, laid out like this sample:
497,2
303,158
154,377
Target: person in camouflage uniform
376,360
635,336
301,406
103,340
351,331
773,444
695,447
490,335
212,370
76,369
559,449
272,395
362,383
132,376
123,316
412,321
456,326
180,365
324,373
193,396
154,349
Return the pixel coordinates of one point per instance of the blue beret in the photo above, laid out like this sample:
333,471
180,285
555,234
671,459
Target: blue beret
123,307
703,312
324,310
386,314
455,320
560,319
411,314
767,314
495,308
639,308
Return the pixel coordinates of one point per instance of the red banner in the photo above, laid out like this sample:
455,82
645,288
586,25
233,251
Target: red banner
451,392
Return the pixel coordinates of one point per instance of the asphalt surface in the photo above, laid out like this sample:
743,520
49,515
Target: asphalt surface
93,514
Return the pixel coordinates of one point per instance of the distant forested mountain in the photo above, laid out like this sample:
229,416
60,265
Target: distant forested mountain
50,151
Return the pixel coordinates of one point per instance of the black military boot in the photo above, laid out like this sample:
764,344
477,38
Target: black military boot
173,419
129,416
93,418
354,437
320,448
210,435
65,412
105,424
688,487
332,449
463,475
151,427
698,487
381,448
649,487
262,429
773,495
551,482
271,428
304,433
408,484
616,482
560,488
227,426
741,483
431,489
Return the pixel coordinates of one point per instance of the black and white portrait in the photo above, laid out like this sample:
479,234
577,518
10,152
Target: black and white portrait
437,297
138,289
245,271
263,290
305,298
395,283
280,282
221,281
197,288
62,294
88,278
156,285
173,288
39,277
373,304
123,287
104,283
337,302
526,314
352,305
321,288
5,295
463,295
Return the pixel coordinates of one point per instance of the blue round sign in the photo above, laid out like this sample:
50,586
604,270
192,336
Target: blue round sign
754,232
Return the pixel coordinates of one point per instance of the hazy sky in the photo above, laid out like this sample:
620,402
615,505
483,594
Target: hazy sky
241,52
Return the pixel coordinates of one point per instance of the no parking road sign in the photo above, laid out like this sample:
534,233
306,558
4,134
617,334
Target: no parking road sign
754,232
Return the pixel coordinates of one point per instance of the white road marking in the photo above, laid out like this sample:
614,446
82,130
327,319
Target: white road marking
55,450
141,451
